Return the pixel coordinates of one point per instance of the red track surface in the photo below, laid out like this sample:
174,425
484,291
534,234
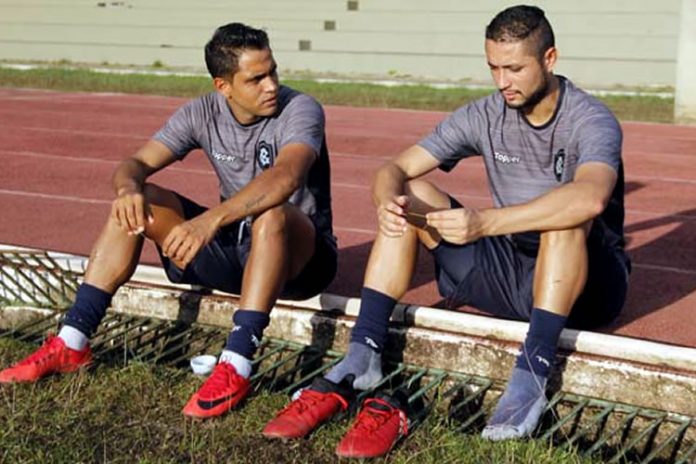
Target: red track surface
58,150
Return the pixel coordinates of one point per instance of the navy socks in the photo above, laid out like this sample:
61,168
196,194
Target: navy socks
88,309
373,320
522,404
539,349
246,335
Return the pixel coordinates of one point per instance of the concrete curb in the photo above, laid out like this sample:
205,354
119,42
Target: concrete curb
621,369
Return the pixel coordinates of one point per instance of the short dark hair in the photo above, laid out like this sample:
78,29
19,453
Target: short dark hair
223,49
519,23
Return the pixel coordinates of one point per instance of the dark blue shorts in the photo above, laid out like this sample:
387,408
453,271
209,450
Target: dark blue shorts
220,264
496,275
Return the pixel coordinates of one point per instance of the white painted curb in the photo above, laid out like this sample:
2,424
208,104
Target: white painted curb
660,355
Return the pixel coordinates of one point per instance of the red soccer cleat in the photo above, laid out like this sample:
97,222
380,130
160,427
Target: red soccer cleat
376,430
222,391
313,406
52,357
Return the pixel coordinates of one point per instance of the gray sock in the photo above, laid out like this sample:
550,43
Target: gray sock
519,409
361,361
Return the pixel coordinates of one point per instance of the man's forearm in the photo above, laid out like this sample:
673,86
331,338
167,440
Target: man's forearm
271,188
562,208
130,176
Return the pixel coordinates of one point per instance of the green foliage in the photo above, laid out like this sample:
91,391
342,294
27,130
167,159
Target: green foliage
422,97
133,414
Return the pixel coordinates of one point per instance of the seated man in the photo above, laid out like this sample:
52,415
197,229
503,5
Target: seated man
550,252
270,236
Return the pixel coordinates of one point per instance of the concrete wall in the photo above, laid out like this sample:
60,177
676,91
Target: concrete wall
602,43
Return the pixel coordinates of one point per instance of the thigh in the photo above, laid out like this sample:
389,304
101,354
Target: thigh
489,274
319,271
219,264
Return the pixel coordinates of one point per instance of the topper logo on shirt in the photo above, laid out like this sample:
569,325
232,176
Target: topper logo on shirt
223,157
264,155
506,159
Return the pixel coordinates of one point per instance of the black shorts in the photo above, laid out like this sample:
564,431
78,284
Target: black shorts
496,275
220,264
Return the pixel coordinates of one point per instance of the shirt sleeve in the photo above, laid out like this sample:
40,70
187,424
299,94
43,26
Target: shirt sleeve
304,123
599,139
456,137
178,133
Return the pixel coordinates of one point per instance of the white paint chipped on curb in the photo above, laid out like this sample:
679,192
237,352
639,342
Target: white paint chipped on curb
660,355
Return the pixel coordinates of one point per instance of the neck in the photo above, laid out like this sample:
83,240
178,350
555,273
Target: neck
542,112
242,117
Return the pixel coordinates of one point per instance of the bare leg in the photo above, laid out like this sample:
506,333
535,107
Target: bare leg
561,269
282,244
387,277
560,275
115,254
393,259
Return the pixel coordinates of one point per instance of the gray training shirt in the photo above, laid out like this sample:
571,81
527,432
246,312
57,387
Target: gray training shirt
240,152
524,162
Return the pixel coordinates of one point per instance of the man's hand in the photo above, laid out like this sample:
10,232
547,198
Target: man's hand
131,211
458,226
391,216
185,240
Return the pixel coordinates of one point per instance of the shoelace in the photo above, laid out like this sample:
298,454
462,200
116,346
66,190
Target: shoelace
309,398
50,347
372,418
220,380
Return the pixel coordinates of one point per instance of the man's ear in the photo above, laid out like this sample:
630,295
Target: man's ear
221,85
550,57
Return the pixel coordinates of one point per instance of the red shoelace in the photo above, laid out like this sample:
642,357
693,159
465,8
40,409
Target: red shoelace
308,398
372,418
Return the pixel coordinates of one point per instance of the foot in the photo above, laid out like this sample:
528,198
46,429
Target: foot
379,425
222,391
52,357
519,409
313,406
362,362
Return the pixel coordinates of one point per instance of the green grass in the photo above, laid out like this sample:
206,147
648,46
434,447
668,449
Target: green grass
635,108
133,414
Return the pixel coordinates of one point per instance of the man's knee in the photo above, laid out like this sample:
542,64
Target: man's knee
425,196
271,222
575,237
164,209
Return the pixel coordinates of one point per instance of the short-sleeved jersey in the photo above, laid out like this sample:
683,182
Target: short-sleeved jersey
239,152
523,161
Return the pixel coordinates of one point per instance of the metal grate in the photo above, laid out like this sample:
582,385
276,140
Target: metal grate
30,277
610,431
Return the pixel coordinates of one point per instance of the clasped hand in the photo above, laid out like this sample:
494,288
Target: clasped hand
458,226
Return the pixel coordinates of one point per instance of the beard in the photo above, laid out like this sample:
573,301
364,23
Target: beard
536,96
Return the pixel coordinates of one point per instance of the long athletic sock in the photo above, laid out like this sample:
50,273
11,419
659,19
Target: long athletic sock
363,359
519,409
373,319
88,310
246,335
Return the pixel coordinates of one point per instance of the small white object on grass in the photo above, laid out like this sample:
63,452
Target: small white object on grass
204,364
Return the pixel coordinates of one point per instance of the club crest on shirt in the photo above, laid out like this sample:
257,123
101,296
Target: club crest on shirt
264,155
559,164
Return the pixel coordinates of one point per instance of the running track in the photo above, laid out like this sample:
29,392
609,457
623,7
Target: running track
58,150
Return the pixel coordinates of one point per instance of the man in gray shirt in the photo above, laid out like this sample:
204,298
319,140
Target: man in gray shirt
550,252
270,236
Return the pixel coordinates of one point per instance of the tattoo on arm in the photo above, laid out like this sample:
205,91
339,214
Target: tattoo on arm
251,204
